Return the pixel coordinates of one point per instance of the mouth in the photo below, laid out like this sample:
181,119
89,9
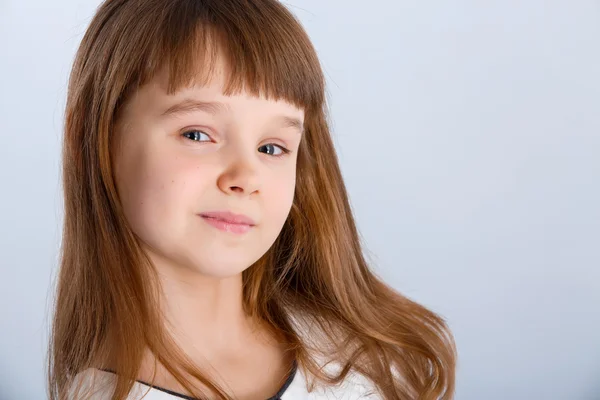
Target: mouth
228,222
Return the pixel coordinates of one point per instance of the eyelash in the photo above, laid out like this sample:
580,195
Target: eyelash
284,151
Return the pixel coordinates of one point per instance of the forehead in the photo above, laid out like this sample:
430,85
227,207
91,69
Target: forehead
207,95
210,99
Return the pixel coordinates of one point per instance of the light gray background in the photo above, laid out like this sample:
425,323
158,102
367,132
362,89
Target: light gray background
469,136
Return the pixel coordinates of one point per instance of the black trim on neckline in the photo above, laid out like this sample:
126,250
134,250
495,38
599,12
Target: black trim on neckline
277,395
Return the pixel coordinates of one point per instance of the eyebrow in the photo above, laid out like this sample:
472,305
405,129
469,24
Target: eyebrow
214,108
189,105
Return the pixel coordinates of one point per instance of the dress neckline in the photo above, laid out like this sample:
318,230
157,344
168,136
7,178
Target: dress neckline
277,396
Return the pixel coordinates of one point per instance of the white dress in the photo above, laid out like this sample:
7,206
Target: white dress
295,388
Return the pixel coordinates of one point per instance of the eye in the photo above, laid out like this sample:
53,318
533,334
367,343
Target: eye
196,135
274,150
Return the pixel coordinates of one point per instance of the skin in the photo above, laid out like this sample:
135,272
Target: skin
169,169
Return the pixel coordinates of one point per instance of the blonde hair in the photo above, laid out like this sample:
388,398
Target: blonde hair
107,291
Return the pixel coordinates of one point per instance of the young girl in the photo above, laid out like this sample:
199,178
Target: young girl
209,249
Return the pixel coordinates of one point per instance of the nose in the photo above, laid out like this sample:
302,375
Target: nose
240,176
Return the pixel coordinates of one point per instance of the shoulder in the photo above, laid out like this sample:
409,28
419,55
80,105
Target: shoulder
91,384
95,384
354,387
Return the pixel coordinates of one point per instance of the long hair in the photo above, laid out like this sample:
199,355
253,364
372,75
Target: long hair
314,275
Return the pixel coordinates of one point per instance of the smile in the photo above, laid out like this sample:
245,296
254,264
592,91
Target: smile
228,222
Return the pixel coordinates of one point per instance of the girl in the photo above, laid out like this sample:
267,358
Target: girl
209,249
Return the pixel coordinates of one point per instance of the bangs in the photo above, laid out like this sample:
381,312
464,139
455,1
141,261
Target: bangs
264,49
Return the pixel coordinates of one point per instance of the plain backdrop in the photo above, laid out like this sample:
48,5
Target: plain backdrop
469,137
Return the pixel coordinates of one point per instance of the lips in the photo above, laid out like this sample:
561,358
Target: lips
229,217
228,222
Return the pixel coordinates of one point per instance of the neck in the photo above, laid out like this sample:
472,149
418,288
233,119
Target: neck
205,317
205,314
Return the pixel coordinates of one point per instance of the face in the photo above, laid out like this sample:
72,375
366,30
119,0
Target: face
206,181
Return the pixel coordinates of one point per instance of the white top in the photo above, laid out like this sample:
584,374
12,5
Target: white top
353,388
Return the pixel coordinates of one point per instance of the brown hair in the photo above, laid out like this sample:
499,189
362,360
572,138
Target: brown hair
315,271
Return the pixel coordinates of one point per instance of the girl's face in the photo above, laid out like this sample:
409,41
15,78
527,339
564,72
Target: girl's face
180,157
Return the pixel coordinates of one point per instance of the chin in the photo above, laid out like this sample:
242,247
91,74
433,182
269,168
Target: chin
221,269
220,273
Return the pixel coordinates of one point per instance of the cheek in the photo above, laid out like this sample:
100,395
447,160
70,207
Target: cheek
157,191
280,196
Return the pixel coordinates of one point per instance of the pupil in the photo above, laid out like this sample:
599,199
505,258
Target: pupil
269,148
